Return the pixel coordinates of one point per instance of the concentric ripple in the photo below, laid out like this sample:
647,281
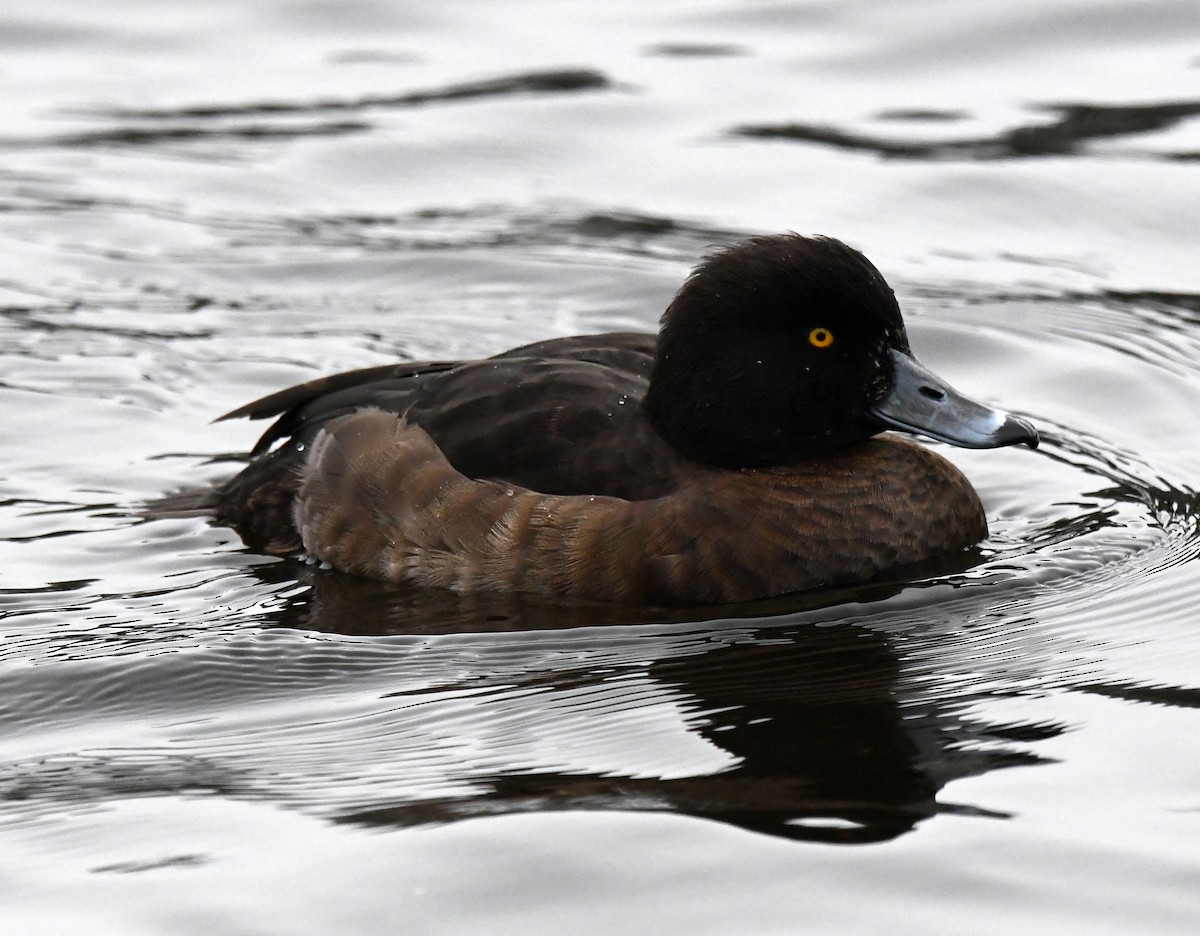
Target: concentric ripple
384,706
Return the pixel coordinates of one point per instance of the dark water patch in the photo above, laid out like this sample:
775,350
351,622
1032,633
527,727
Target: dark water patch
1188,303
78,319
696,50
234,124
1186,697
152,864
1075,125
159,135
922,115
561,81
841,139
1028,732
24,199
53,588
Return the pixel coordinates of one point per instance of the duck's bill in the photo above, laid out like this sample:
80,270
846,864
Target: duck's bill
922,403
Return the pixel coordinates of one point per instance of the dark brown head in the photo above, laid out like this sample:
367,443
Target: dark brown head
786,347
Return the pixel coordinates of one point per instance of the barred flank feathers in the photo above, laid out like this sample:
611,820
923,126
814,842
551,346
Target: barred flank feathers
378,498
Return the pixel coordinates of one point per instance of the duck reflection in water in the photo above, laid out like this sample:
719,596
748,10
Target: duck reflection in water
817,739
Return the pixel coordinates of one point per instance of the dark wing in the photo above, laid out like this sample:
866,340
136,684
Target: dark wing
555,426
315,402
291,402
561,416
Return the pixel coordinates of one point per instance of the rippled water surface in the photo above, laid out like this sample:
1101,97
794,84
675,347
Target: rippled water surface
204,202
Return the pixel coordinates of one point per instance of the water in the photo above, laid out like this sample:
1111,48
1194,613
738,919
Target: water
202,203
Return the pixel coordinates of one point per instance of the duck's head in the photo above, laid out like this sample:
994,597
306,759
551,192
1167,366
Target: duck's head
787,347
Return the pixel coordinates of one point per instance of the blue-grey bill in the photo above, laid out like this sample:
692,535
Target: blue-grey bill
922,403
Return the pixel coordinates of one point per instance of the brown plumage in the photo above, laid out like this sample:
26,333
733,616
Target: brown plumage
377,497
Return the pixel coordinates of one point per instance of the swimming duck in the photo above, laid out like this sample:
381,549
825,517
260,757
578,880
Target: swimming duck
736,455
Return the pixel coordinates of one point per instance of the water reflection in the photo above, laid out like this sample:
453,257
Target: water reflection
809,729
208,122
1072,126
561,81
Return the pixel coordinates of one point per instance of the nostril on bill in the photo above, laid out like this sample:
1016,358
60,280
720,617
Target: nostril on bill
934,393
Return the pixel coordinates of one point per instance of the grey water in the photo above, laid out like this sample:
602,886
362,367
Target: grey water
203,202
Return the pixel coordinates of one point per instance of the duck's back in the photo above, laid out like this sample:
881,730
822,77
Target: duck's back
561,417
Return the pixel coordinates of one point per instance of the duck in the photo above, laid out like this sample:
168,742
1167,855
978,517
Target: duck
747,450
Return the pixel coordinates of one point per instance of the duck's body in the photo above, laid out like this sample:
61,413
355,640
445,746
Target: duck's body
729,458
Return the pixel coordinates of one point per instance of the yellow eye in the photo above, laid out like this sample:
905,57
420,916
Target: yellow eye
820,337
